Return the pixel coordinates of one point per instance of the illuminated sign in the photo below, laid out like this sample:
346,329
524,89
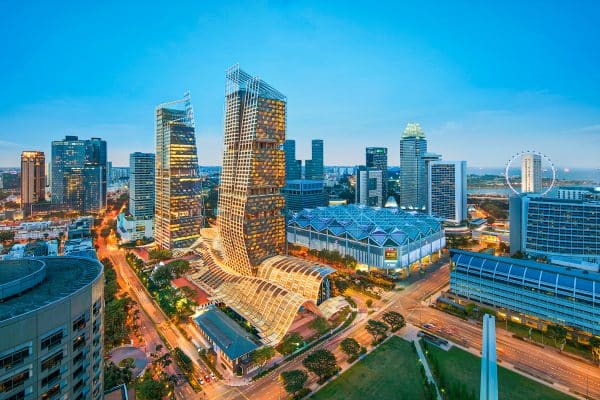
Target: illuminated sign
391,254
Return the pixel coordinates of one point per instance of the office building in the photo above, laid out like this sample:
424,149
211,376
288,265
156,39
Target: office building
369,187
413,171
384,238
141,185
51,328
293,167
531,173
33,179
579,193
178,196
251,219
132,229
79,169
534,294
263,286
376,158
550,227
304,193
314,167
448,190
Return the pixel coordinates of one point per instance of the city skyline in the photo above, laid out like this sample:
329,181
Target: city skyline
464,95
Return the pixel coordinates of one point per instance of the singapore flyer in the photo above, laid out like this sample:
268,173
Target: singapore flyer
534,164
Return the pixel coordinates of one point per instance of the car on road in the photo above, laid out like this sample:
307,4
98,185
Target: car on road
201,381
207,378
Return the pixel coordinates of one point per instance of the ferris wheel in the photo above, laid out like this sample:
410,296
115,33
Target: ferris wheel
518,156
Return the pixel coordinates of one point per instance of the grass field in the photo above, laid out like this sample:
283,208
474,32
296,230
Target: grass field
461,366
390,372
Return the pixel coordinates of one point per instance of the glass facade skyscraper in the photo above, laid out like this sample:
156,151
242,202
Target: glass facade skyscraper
369,187
33,178
141,185
79,169
376,158
251,219
178,195
293,169
550,227
314,166
448,190
413,171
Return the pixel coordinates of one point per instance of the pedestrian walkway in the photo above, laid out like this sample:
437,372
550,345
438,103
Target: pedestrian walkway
428,373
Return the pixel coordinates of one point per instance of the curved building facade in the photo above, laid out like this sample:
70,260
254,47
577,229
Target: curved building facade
51,328
251,220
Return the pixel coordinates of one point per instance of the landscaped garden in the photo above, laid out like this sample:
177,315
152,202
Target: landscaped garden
458,373
392,371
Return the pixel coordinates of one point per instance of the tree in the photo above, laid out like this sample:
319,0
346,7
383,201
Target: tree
160,254
105,232
115,376
350,346
377,329
290,343
7,236
149,389
595,345
179,267
184,361
559,334
294,380
162,275
320,325
394,319
322,363
262,355
369,303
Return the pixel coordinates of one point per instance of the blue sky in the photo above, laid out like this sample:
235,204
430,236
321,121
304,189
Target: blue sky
484,81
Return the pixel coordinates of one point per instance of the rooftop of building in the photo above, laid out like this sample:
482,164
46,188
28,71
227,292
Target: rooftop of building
536,198
32,284
545,272
582,187
225,333
200,296
413,130
384,226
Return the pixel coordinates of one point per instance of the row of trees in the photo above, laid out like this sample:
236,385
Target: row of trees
116,309
378,329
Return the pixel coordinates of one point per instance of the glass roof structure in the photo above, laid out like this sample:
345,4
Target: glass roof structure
382,226
583,284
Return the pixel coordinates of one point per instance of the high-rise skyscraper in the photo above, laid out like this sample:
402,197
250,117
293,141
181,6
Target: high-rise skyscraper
79,170
413,172
293,168
369,187
251,219
178,195
376,158
314,166
141,185
33,178
448,190
531,173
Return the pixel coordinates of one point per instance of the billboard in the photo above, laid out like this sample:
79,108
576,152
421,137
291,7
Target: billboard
391,254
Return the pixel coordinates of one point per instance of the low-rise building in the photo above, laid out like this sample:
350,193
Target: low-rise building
386,238
231,344
132,229
527,292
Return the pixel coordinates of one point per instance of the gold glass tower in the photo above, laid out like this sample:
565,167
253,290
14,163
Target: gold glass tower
251,219
178,198
33,178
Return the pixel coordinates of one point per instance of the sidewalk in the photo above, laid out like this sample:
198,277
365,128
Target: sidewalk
428,373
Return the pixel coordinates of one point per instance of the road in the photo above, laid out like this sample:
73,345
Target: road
151,319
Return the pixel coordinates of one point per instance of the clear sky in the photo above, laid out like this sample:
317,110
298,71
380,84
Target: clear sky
484,81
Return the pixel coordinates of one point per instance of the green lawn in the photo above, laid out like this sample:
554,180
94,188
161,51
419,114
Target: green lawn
461,366
390,372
